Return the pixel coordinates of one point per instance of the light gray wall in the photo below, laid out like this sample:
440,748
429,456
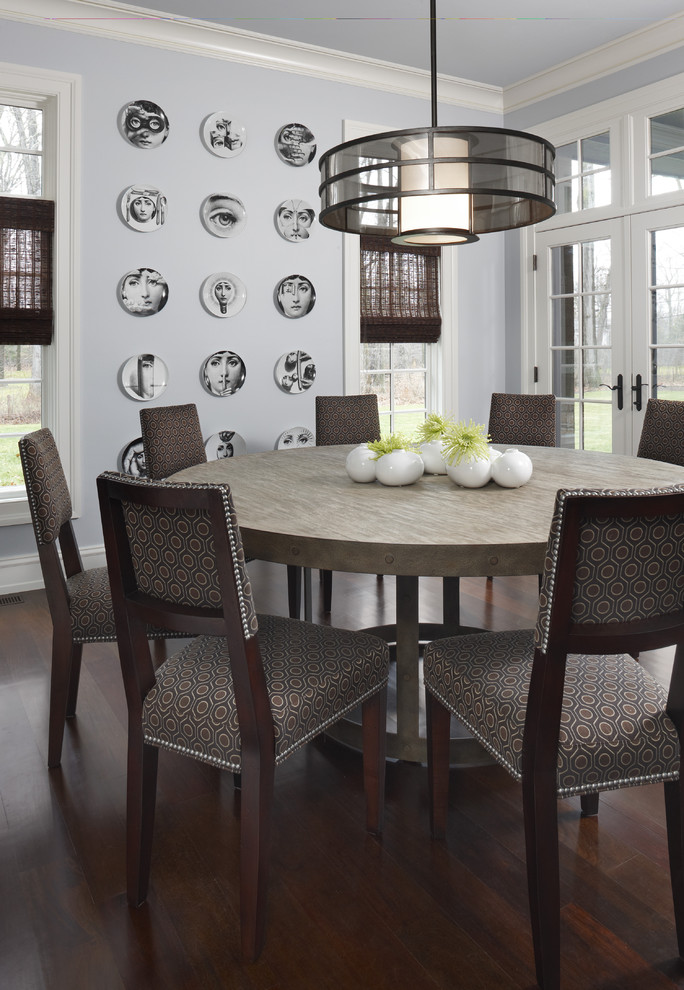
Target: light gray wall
188,88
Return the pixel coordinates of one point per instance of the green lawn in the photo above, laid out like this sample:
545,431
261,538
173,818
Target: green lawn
10,465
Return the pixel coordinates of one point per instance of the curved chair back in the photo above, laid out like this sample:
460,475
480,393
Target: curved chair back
346,419
172,439
662,435
523,419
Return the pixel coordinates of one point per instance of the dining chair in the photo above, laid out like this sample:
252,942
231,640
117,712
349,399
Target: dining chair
172,439
344,419
246,694
522,419
662,434
79,600
564,708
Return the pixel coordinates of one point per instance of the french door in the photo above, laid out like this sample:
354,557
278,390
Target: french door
610,324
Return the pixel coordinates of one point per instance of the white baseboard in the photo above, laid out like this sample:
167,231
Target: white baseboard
23,573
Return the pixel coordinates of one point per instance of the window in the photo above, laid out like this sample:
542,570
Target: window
666,155
39,157
400,322
583,174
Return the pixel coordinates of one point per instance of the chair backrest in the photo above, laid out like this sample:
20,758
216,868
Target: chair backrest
346,419
613,583
175,561
662,435
522,419
172,439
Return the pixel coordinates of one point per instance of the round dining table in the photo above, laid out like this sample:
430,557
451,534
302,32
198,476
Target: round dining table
300,507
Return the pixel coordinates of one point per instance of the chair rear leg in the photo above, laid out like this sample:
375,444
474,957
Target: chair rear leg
674,796
256,802
327,590
589,804
540,806
438,739
294,591
142,796
74,678
374,730
62,654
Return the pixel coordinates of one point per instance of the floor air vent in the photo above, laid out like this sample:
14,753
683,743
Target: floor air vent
11,600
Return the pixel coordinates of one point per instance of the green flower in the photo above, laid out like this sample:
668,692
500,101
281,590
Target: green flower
434,428
465,442
394,441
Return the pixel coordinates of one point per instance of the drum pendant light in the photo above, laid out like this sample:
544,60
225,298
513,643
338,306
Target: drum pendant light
437,185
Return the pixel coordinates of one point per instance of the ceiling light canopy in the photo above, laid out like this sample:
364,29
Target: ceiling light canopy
437,185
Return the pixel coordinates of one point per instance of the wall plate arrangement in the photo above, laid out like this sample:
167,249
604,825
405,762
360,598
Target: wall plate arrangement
296,436
293,219
295,372
295,145
143,292
223,214
223,373
223,135
144,124
223,294
132,459
143,208
294,296
144,377
225,443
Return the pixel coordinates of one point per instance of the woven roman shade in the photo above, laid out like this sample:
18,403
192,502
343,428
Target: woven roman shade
26,229
399,292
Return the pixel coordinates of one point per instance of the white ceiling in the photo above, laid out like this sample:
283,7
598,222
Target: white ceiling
499,42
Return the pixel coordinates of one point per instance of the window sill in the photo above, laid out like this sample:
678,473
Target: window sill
14,507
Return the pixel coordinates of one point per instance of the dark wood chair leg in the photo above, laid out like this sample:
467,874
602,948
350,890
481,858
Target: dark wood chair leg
674,797
141,801
62,652
255,834
438,737
294,591
327,590
74,678
540,806
374,731
589,804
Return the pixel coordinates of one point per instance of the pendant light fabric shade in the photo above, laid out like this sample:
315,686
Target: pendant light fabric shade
437,185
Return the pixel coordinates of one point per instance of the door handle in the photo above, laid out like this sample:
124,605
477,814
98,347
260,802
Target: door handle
636,389
617,388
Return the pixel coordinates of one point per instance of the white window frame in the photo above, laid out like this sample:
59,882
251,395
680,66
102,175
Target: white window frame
58,95
442,359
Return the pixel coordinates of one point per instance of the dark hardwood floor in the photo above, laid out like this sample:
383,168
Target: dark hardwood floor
346,911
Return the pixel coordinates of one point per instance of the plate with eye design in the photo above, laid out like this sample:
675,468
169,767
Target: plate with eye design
223,214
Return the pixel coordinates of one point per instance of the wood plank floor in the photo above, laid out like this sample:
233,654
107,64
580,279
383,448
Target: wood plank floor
346,911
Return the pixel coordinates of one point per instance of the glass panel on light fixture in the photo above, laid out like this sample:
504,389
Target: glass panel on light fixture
440,211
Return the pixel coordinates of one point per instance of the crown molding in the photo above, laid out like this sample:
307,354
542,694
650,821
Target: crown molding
139,25
639,46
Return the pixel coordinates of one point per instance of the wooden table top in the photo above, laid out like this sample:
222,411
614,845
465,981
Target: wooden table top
300,507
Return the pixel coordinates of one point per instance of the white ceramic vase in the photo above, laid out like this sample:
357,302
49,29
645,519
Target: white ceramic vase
431,454
512,469
360,464
472,473
400,467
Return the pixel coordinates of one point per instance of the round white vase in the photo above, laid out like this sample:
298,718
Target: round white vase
512,469
431,454
400,467
471,474
360,464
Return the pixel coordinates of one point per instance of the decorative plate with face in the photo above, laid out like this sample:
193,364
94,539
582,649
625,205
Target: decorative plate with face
144,124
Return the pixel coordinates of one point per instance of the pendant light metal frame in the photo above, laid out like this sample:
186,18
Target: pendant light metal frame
509,178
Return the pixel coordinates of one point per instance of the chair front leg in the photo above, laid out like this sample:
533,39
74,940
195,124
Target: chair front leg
438,720
674,797
374,731
540,806
141,800
62,654
256,803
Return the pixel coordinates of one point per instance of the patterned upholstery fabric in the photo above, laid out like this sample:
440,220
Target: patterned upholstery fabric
523,419
90,606
346,419
46,485
662,435
172,439
614,730
313,676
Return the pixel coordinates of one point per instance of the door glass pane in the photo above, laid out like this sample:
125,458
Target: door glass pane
568,413
565,322
565,374
596,371
564,269
596,266
597,427
596,314
667,373
667,313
